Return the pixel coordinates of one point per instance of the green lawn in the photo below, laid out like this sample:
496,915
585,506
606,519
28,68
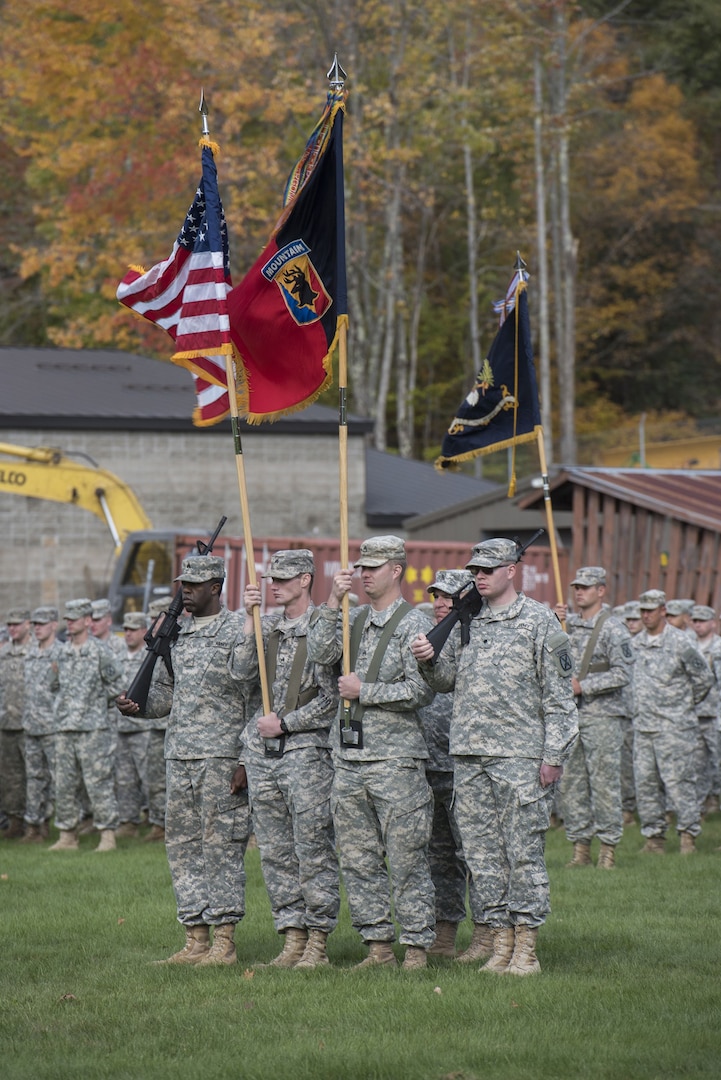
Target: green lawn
630,988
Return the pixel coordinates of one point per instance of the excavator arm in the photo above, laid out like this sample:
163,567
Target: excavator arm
48,473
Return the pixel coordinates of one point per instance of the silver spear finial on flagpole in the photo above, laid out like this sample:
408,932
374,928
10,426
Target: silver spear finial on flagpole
203,109
336,76
519,263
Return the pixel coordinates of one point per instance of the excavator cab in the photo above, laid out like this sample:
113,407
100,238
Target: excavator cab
143,572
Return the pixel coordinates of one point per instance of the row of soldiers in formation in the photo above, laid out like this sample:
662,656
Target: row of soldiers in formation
64,747
425,776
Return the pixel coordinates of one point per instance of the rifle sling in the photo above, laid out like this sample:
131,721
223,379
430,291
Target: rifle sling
374,667
294,699
590,646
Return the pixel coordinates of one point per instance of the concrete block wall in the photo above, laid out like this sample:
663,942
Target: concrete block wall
50,551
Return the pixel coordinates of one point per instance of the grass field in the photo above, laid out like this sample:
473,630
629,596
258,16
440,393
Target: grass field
630,990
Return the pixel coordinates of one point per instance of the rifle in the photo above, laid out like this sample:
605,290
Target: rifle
163,633
467,602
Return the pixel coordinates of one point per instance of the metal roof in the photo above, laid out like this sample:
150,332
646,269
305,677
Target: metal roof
690,495
397,488
94,389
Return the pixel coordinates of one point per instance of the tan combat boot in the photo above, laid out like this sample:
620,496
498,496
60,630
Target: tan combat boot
688,844
155,836
33,835
503,941
481,946
380,953
606,857
314,954
294,945
107,841
415,958
524,960
128,830
629,818
655,845
712,804
222,951
15,829
67,841
445,943
581,854
197,945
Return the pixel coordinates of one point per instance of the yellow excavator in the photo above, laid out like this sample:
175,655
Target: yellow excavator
143,555
48,473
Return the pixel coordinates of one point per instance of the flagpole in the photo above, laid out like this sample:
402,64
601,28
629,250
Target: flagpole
242,488
336,78
549,515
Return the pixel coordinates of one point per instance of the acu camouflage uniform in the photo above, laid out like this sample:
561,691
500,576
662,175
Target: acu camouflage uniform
132,751
707,711
290,793
207,828
12,738
382,804
591,784
513,710
670,679
39,724
88,679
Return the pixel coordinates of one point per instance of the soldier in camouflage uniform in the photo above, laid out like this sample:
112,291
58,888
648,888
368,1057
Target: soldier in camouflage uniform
133,735
602,665
703,620
87,679
155,760
382,804
678,615
670,679
12,737
448,868
631,616
512,729
288,764
39,724
207,825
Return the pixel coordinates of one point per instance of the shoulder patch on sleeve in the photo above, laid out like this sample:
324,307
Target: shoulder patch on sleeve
558,646
627,650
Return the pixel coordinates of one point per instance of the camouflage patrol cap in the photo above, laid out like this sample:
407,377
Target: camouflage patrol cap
198,568
450,581
632,610
288,564
701,612
101,608
160,603
377,550
678,607
619,611
651,599
493,553
135,620
44,615
78,609
17,615
590,575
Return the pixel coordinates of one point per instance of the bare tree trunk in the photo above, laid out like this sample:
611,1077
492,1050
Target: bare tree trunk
543,320
567,255
392,283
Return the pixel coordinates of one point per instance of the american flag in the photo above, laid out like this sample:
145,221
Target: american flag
186,295
504,307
